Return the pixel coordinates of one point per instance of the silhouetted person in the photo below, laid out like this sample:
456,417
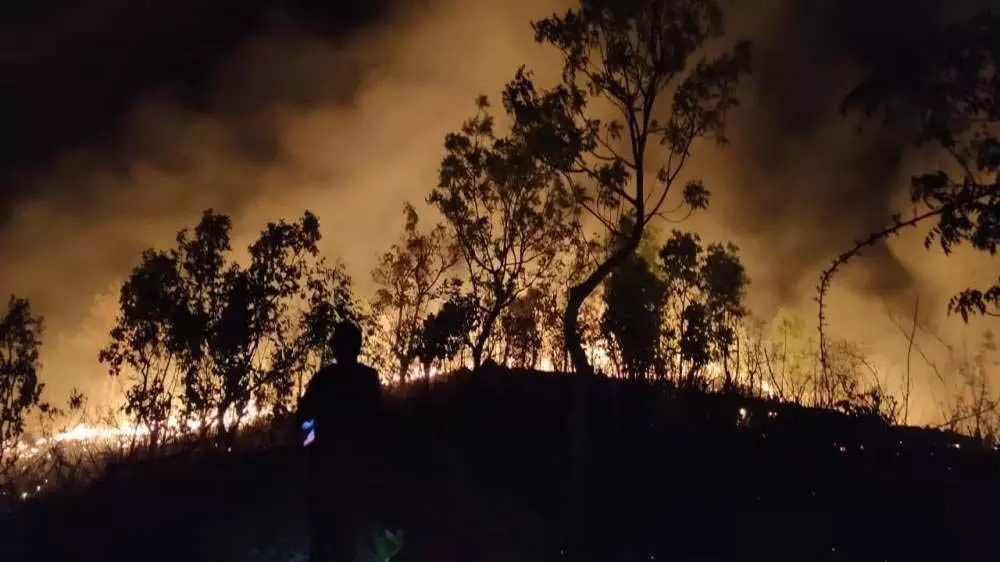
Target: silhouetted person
341,410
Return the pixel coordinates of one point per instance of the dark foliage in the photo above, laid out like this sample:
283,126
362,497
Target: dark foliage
20,389
633,318
445,332
706,288
203,336
509,214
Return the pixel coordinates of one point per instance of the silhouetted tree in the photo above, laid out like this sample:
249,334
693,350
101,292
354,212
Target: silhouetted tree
446,331
705,291
571,266
20,391
627,57
586,252
633,316
232,334
204,277
249,347
724,283
627,321
411,278
146,343
510,216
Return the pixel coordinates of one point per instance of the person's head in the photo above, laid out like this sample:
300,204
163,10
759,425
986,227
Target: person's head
346,342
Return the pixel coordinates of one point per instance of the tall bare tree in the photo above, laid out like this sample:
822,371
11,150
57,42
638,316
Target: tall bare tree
633,56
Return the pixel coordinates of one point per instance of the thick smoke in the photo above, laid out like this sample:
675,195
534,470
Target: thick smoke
348,129
351,128
801,183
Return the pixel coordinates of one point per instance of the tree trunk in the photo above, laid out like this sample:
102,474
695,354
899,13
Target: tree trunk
579,293
154,440
580,471
571,327
477,353
403,368
484,336
221,430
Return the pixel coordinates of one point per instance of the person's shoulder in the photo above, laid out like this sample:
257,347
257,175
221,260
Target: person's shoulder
320,378
323,373
368,372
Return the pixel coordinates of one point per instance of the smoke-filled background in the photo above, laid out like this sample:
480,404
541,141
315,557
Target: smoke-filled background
122,120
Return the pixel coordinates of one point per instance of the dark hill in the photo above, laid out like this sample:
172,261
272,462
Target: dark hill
482,468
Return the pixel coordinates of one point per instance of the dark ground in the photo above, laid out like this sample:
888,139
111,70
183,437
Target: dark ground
480,470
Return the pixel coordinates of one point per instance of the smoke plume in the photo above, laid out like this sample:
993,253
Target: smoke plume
352,127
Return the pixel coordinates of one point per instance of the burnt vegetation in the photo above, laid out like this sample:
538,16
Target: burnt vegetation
567,381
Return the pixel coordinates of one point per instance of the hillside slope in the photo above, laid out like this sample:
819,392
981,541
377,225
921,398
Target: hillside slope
481,468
